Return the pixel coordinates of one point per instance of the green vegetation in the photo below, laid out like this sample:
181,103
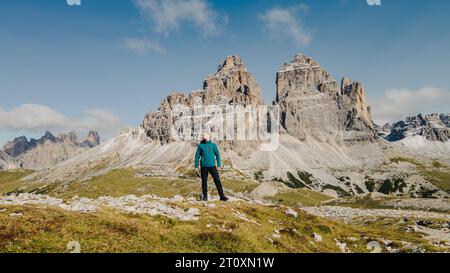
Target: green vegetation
11,180
259,175
337,189
437,164
306,177
370,184
358,189
117,183
217,230
299,197
439,178
293,182
344,178
404,159
438,174
392,186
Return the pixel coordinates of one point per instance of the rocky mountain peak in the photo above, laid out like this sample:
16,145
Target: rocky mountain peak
48,136
70,138
232,84
92,140
16,147
356,92
304,76
312,103
301,61
434,127
231,63
310,100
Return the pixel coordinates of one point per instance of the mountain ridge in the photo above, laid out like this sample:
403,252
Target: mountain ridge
45,151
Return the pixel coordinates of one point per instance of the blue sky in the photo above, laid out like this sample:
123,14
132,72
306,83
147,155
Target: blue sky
104,64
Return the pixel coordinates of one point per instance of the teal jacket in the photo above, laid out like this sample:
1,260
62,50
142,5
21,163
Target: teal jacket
208,152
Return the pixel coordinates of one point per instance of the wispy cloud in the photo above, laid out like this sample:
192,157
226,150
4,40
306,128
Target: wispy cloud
38,118
142,46
286,23
396,104
169,15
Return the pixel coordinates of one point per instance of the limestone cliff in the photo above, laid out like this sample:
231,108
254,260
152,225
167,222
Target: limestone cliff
312,104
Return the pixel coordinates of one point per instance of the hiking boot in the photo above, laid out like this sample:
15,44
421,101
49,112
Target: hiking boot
203,198
224,199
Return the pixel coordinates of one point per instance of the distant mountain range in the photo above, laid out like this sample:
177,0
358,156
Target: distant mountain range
45,151
433,127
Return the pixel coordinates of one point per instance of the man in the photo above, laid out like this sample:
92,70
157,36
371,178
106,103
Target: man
209,153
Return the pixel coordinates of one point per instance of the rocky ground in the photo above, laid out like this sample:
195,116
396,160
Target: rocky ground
281,228
348,214
435,226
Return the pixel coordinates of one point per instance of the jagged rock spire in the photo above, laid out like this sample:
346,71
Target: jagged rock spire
232,82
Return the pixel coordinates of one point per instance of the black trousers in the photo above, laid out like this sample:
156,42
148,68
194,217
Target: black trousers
215,175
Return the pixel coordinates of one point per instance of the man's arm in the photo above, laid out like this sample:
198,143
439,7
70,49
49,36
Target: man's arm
217,153
197,157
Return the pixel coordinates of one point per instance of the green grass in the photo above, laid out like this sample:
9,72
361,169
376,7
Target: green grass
404,159
124,182
437,173
11,180
217,230
439,178
299,197
118,183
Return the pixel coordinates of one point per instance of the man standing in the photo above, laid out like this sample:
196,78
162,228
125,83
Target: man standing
209,153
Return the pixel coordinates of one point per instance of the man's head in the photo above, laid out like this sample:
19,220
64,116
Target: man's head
206,137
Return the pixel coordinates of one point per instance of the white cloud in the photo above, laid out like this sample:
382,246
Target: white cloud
397,104
285,22
169,15
39,118
73,2
142,46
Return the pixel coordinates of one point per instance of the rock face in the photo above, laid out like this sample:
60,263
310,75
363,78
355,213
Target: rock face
45,151
92,140
231,85
313,104
433,127
21,144
4,160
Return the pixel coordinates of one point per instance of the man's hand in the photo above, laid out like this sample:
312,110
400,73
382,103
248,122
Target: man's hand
220,168
196,171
